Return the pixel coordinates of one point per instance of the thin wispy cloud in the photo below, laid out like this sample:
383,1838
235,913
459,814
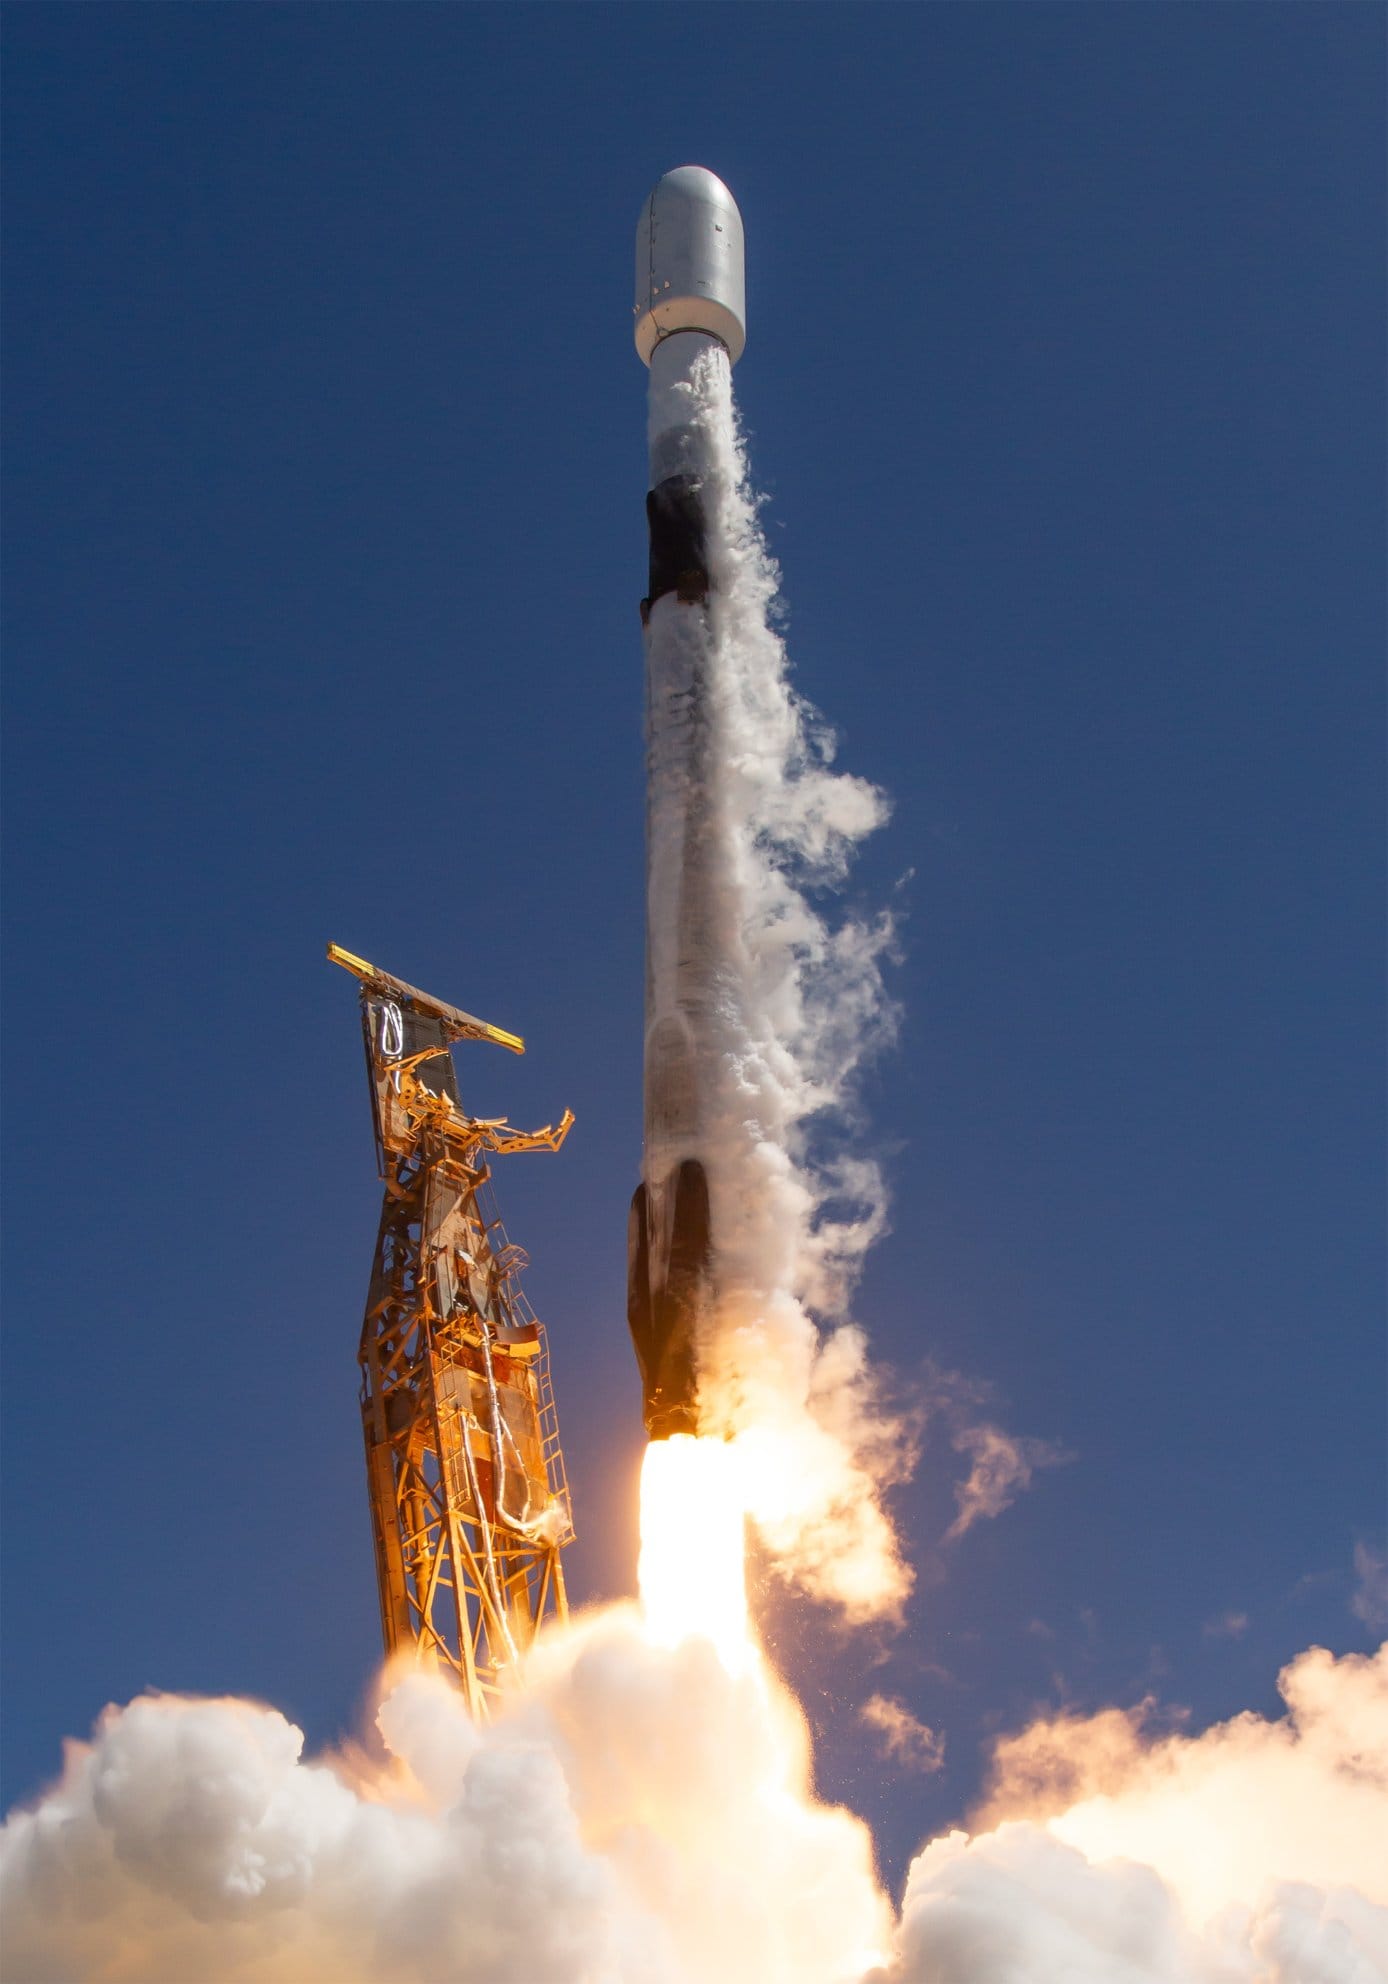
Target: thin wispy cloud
1001,1467
902,1736
1370,1600
1226,1626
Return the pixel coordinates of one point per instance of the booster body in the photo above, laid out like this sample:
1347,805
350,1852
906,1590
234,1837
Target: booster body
689,301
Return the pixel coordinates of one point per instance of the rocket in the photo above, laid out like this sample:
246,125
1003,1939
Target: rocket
690,296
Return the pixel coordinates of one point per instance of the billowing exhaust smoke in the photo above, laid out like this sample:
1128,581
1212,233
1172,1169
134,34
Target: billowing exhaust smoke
640,1815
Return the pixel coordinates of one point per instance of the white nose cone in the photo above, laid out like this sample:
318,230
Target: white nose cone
689,266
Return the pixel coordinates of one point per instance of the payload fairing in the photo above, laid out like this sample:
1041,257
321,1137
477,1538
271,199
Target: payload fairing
690,298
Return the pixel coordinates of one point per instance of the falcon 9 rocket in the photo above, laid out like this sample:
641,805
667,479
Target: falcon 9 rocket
690,300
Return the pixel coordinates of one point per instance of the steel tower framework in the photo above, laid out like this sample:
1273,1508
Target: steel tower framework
469,1500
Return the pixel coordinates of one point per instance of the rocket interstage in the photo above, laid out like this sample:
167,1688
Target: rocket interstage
689,313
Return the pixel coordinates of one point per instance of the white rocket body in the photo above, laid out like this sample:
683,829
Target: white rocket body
690,298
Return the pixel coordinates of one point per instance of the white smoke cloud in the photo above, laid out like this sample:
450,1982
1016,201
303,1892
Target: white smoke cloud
1250,1854
633,1817
638,1816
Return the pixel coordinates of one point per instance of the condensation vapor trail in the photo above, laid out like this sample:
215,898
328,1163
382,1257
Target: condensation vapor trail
759,1006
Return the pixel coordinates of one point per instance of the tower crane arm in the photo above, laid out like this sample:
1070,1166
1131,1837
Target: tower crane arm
457,1024
498,1135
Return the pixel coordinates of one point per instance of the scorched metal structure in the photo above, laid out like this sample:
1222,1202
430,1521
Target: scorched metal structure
469,1501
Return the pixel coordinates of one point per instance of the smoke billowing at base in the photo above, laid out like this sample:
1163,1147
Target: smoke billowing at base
641,1808
640,1815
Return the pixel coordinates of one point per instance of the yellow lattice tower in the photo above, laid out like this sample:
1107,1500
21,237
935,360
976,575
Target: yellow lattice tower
469,1501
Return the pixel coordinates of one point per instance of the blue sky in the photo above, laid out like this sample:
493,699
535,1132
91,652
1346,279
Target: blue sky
325,466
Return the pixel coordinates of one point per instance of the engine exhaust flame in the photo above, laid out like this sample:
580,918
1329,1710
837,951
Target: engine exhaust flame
692,1567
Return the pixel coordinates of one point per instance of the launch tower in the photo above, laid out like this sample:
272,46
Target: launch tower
469,1501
